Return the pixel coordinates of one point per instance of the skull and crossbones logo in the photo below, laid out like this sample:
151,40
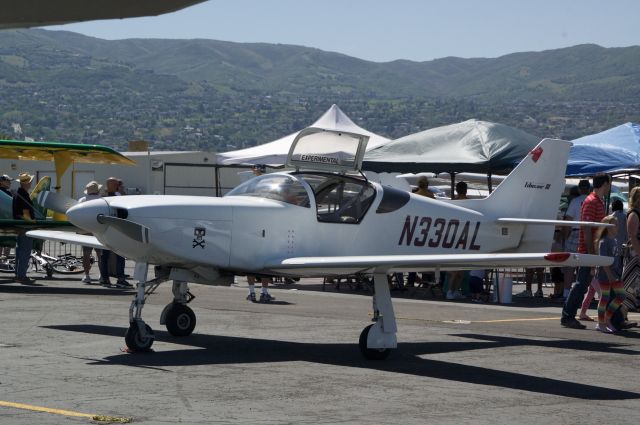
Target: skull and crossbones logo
199,233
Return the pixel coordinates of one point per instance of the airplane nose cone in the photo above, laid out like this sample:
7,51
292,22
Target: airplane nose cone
84,215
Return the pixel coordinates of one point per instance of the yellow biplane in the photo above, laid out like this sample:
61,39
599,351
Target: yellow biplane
62,155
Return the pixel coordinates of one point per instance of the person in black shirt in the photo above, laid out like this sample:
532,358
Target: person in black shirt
23,210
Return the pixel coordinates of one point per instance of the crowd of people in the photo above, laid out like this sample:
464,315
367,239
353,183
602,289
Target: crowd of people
23,209
615,284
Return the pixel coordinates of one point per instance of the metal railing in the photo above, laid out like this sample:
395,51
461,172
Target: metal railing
56,249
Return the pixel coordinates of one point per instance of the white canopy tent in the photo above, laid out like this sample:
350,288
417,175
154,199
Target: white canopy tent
275,153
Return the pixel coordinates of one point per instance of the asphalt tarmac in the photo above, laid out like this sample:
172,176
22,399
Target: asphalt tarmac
297,361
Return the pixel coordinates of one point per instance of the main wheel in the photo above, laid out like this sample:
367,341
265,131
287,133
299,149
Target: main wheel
180,320
371,353
135,341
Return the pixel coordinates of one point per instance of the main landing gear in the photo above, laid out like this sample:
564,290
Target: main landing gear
179,319
378,339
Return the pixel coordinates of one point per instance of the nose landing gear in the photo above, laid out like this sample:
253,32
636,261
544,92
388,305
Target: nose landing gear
179,319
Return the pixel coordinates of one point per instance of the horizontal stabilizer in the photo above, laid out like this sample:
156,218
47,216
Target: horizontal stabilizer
563,223
324,266
66,237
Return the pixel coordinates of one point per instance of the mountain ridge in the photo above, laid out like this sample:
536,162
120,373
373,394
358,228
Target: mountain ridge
219,95
280,67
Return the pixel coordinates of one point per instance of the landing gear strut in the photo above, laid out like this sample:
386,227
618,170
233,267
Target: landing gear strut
139,336
378,339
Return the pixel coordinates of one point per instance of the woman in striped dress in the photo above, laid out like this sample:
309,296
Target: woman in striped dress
631,269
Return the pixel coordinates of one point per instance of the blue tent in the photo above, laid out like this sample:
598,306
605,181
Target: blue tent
612,150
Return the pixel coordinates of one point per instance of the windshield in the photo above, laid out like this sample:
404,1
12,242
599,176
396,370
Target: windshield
278,187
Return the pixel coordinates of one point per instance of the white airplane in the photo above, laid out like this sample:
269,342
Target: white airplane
320,220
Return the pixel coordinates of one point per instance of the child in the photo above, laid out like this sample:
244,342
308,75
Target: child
609,276
594,288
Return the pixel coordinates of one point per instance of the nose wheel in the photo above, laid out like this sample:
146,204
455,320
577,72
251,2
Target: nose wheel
139,337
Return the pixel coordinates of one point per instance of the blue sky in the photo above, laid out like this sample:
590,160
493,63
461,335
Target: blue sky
381,30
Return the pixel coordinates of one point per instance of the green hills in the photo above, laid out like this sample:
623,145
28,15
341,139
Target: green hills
216,95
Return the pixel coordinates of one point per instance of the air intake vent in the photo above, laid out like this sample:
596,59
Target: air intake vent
122,213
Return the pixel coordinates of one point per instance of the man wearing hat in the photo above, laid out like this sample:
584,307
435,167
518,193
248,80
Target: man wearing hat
112,190
259,169
23,210
91,191
5,184
423,188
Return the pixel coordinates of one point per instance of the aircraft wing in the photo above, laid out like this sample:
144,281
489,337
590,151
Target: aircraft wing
33,13
67,152
67,237
10,227
562,223
326,266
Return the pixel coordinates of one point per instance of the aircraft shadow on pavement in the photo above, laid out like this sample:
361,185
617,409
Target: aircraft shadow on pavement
42,288
406,360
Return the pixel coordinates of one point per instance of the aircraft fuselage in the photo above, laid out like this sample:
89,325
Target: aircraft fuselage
243,233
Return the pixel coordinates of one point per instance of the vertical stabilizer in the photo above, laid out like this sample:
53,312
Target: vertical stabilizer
533,190
534,187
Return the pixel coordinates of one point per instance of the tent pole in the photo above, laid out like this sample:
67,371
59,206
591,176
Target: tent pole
607,204
217,177
453,184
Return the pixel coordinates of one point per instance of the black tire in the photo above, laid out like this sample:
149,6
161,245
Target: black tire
371,353
69,265
180,320
135,342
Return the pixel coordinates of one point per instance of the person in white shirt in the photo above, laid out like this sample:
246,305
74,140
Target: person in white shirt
91,191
